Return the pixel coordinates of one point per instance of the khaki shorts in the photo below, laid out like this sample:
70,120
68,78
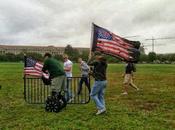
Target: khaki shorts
58,83
127,79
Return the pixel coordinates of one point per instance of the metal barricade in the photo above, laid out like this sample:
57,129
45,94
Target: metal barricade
35,92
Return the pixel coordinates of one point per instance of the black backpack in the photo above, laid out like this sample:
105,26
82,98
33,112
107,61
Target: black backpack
46,81
55,102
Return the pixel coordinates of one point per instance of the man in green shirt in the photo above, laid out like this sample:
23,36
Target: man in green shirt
56,71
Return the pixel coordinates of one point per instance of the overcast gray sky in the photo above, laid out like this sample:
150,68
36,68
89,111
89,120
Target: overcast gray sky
62,22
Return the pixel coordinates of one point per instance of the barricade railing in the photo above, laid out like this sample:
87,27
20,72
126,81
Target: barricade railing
35,92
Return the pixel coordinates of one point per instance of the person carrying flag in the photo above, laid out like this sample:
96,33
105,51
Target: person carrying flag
99,86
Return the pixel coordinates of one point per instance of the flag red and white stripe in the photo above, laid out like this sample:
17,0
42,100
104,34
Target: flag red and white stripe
34,68
112,44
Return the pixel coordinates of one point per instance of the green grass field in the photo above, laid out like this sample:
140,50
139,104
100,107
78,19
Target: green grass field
151,108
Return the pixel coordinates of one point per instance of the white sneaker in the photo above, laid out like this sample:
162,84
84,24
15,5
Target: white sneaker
124,93
82,101
70,100
101,111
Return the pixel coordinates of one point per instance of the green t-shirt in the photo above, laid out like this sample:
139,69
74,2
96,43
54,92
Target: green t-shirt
54,67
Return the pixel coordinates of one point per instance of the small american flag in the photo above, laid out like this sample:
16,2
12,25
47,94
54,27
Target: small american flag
109,43
34,68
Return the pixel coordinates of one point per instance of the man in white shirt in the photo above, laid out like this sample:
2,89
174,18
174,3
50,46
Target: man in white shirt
68,70
67,66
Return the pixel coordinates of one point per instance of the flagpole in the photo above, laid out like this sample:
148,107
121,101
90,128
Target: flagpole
25,57
92,37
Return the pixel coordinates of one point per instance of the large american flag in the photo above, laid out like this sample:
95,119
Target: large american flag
112,44
34,68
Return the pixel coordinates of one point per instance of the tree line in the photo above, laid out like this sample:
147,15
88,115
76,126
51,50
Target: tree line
152,57
74,54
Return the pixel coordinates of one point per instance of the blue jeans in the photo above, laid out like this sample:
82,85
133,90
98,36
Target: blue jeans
97,94
68,89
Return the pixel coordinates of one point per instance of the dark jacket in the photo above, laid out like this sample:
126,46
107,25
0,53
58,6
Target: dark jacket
129,68
99,71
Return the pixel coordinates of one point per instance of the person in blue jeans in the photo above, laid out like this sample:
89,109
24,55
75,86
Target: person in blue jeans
99,86
68,71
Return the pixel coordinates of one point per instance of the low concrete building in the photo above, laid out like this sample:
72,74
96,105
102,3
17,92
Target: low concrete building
35,49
